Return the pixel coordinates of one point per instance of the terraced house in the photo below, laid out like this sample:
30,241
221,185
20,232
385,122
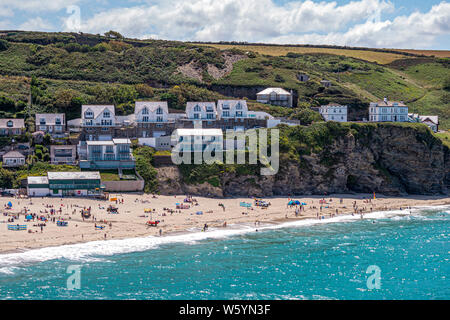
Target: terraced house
52,123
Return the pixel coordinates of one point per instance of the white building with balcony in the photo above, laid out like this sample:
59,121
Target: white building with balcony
151,111
388,111
98,116
205,111
232,109
334,112
113,154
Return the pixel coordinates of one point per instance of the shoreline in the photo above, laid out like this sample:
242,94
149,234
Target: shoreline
129,225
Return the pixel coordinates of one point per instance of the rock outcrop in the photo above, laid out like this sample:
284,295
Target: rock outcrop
392,160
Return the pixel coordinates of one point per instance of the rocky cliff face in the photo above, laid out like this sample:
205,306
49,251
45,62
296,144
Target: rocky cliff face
389,160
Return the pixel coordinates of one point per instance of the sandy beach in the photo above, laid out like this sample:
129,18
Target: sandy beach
131,221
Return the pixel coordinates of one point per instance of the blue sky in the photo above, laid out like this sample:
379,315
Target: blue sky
369,23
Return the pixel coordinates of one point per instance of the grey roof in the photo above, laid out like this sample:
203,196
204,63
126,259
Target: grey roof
13,154
74,122
122,141
17,123
37,180
333,104
100,143
203,105
150,105
85,175
232,104
383,103
50,118
123,119
97,109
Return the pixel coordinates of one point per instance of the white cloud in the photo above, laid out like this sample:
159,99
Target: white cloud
37,5
418,30
36,24
240,20
355,23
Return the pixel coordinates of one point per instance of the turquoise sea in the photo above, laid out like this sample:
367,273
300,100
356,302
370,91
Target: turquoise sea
310,259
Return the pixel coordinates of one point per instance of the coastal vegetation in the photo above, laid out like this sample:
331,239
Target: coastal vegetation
62,71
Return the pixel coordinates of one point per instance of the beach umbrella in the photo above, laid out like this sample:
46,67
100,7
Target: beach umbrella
303,204
297,202
10,204
291,203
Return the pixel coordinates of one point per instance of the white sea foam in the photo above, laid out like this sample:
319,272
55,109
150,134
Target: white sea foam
91,251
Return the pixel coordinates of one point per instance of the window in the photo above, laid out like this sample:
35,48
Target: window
145,111
10,124
106,114
159,111
42,121
109,149
88,114
159,119
226,113
238,106
197,108
210,116
58,121
196,116
145,119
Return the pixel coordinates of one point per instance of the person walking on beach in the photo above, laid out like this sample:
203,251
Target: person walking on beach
160,232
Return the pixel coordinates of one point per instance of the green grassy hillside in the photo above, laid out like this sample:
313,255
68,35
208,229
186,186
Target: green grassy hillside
64,70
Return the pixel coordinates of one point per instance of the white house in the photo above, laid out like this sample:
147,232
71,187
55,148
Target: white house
151,111
13,159
197,140
275,96
385,110
334,112
231,109
98,116
201,111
